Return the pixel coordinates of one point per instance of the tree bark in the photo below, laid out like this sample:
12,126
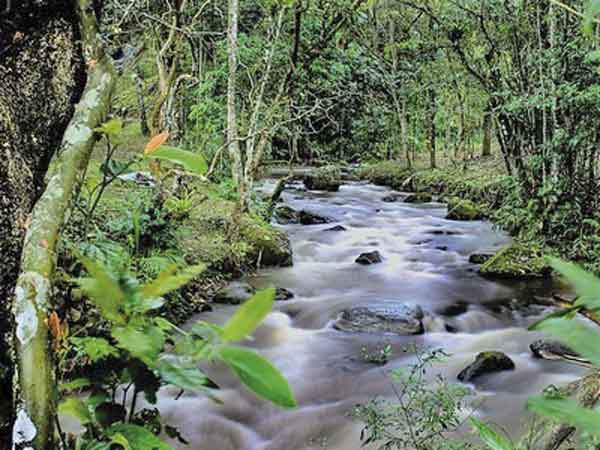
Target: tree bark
43,75
432,129
486,145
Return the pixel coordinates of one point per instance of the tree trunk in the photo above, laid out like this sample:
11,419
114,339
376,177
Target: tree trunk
432,129
486,146
43,74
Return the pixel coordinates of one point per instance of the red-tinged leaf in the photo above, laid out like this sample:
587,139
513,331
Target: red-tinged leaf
156,142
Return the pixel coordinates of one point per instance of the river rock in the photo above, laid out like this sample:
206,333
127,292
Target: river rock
479,258
234,293
311,218
337,228
391,198
328,178
399,319
285,214
283,294
516,261
369,258
486,363
460,209
419,197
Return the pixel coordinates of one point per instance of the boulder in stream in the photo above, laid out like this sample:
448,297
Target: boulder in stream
516,261
283,294
486,363
234,293
369,258
285,214
394,318
461,209
337,228
479,258
419,197
391,198
556,351
311,218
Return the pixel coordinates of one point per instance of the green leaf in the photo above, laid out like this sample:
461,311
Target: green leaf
567,411
95,348
259,375
576,335
192,162
110,128
490,437
76,408
144,343
139,438
169,280
249,316
586,284
73,385
120,439
188,378
103,290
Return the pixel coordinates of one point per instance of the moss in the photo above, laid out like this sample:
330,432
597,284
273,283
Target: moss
462,209
327,178
387,173
517,260
419,197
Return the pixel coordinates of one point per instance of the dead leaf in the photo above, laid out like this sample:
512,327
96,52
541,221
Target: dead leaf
156,142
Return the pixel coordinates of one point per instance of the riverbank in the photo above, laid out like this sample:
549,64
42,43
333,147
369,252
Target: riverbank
496,196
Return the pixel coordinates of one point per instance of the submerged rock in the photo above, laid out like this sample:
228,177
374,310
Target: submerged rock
459,209
337,228
328,178
399,319
516,261
311,218
369,258
391,198
234,293
486,363
419,197
479,258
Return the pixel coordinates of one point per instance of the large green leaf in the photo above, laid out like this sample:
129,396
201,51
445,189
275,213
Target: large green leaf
139,438
144,343
249,316
95,348
111,128
192,162
169,280
585,283
567,411
576,335
188,378
259,375
76,408
103,290
490,437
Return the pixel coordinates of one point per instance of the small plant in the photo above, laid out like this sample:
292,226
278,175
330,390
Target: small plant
423,413
141,351
377,356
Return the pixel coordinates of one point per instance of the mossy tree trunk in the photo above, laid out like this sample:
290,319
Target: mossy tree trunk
43,67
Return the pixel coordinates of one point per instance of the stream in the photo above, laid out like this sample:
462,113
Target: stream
425,263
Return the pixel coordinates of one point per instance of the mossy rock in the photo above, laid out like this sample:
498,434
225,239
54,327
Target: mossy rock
486,363
388,173
285,214
516,261
461,209
419,197
327,178
271,247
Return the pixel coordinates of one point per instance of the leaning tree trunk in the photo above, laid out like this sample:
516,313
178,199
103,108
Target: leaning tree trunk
43,74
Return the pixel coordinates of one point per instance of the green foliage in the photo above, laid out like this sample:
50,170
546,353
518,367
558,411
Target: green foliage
134,355
192,162
492,439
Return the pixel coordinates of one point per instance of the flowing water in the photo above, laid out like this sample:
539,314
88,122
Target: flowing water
425,263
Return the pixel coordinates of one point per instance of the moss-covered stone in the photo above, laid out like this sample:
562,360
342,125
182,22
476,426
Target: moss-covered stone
419,197
327,178
462,209
486,363
516,261
388,173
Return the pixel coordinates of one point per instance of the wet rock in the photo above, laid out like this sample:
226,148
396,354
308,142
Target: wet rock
516,261
456,309
556,351
285,215
274,249
234,293
328,178
486,363
444,232
459,209
337,228
283,294
391,198
311,218
369,258
479,258
419,197
399,319
442,248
